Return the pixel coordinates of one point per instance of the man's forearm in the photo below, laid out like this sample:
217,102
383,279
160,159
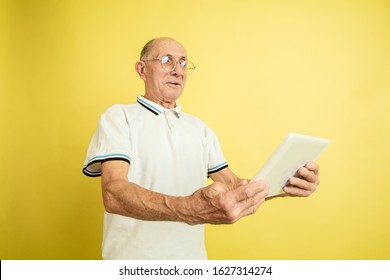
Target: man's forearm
131,200
218,203
214,204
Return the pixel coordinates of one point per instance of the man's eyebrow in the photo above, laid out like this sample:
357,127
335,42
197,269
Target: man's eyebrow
180,57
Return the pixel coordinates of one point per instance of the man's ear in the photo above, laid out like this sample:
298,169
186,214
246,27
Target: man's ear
140,69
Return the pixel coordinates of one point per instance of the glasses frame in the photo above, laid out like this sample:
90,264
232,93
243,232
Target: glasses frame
187,70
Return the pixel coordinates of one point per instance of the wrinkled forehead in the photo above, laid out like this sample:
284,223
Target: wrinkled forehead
168,46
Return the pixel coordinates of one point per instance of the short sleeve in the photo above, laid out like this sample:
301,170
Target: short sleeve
217,160
110,141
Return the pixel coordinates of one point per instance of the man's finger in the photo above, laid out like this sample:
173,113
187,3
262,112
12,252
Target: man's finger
301,183
313,166
247,191
295,191
250,206
306,174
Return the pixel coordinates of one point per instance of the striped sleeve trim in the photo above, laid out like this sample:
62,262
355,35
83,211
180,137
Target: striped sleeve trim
217,168
99,159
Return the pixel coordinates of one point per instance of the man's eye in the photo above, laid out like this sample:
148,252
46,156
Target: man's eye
183,63
165,59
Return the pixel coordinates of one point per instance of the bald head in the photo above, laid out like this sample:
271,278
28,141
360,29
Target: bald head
147,49
152,44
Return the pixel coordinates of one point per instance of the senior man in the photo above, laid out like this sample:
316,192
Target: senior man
154,161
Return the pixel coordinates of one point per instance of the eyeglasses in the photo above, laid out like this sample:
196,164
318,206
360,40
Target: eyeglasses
168,64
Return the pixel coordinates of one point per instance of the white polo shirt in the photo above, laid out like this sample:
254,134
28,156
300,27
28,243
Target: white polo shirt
169,152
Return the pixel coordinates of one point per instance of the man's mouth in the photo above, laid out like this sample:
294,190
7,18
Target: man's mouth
174,83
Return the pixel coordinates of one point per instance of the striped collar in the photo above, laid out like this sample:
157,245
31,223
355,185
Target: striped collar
156,108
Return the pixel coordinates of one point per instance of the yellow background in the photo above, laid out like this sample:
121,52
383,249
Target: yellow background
264,68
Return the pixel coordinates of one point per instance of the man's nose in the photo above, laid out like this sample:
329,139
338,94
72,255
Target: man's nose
178,71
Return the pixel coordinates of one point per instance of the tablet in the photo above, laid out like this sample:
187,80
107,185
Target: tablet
294,152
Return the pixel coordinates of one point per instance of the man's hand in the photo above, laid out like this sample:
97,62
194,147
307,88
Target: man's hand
219,203
305,182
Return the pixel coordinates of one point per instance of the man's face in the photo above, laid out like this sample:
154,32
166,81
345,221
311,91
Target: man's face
164,86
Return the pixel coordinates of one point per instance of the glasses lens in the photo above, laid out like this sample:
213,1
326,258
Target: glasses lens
183,63
167,63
